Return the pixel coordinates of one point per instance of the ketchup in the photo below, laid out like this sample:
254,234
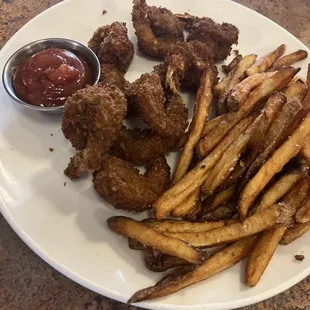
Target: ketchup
50,76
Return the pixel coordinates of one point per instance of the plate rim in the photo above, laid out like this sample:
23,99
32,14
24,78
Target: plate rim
88,284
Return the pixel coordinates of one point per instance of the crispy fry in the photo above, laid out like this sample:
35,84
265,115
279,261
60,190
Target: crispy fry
230,158
306,102
274,164
189,205
273,83
298,89
277,214
130,228
222,212
236,77
222,85
240,92
201,112
135,245
303,214
227,68
219,198
210,125
195,178
295,233
220,261
280,188
262,254
268,240
305,151
273,105
182,226
265,62
161,262
289,59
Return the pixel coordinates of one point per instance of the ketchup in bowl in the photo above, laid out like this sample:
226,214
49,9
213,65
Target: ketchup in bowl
50,76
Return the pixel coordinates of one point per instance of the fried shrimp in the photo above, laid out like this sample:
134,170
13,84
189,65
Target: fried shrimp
141,147
185,61
111,75
91,121
169,117
112,45
122,185
219,37
156,29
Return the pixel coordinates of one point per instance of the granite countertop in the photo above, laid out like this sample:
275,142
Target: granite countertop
28,283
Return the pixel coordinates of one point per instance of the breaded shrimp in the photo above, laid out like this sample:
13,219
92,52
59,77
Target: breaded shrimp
153,39
112,45
92,119
111,75
141,147
122,185
168,119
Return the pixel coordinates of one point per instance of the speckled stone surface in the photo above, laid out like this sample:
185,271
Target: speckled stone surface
28,283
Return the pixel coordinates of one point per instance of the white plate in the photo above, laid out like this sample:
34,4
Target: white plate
66,226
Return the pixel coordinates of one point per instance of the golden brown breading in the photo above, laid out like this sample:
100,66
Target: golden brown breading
111,75
153,39
168,119
122,185
112,45
141,147
91,121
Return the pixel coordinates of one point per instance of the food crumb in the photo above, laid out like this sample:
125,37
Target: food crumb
51,134
203,166
300,257
65,183
104,12
51,149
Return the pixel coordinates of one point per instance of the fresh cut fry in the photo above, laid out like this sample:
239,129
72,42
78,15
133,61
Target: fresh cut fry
201,112
303,214
273,83
227,68
210,125
305,151
295,233
195,178
289,59
277,214
265,62
298,90
241,91
219,198
236,77
268,240
223,212
130,228
220,261
274,164
189,205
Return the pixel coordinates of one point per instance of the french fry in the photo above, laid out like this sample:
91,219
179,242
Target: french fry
295,233
280,188
298,89
222,212
289,59
210,125
241,91
262,254
265,62
201,112
219,88
236,77
303,214
289,149
161,262
195,178
130,228
189,205
230,158
220,261
269,240
182,226
306,102
227,68
136,245
273,105
277,214
305,151
273,83
277,132
219,198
